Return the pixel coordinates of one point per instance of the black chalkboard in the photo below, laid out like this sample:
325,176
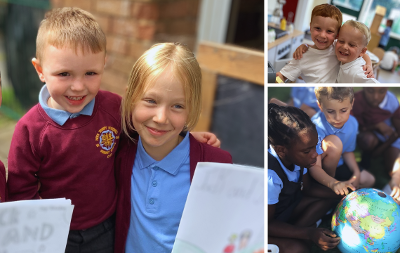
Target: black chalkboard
238,120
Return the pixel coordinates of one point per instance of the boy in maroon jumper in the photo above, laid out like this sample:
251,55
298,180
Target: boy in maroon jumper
66,143
2,169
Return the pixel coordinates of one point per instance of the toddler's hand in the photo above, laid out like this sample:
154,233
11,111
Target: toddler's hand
298,54
369,71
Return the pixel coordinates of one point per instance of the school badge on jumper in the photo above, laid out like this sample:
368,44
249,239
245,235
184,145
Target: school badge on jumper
105,139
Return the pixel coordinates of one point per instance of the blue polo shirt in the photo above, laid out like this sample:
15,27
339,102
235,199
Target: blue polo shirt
61,116
385,36
275,183
389,103
158,195
304,95
347,134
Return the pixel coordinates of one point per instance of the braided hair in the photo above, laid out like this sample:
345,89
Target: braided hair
285,123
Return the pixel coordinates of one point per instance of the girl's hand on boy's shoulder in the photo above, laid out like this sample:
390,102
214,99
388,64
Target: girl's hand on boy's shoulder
298,54
207,137
369,71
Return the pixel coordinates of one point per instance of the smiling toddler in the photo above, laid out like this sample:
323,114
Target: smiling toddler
351,46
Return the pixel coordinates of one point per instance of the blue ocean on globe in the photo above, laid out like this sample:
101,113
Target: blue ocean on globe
367,220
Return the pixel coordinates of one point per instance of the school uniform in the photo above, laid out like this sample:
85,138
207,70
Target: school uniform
72,155
2,182
347,134
151,194
367,115
304,95
284,186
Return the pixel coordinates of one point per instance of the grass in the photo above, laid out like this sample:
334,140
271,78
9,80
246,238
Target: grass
11,109
376,166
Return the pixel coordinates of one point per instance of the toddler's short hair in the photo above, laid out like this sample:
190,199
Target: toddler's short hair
70,26
161,57
336,93
362,28
328,11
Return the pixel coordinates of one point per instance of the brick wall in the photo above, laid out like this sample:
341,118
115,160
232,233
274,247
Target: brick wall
132,26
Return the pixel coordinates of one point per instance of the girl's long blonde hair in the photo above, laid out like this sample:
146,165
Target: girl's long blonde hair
173,57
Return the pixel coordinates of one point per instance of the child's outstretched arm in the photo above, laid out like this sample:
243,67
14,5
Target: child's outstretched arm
277,101
350,159
339,187
207,137
368,66
298,54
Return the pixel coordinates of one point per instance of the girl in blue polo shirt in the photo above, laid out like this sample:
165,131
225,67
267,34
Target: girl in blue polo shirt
157,155
295,202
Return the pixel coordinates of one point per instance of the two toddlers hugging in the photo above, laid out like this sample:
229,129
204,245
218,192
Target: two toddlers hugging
338,54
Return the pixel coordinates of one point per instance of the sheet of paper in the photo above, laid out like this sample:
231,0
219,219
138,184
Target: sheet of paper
35,226
224,211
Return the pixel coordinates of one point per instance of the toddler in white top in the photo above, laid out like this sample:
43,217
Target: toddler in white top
351,46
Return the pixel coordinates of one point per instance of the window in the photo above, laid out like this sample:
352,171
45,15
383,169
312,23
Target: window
354,5
392,12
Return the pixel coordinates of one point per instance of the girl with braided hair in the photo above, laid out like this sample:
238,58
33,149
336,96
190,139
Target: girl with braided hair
292,210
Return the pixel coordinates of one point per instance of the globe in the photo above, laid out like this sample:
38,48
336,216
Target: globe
367,220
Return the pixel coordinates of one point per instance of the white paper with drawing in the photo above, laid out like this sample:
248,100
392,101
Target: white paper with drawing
35,226
224,211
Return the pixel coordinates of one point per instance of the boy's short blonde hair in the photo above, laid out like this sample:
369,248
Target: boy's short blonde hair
173,57
72,27
328,11
336,93
362,28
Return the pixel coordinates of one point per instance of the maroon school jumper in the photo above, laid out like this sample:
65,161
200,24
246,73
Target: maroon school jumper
367,115
2,182
75,161
199,152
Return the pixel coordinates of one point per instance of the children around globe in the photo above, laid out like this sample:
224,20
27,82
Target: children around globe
317,157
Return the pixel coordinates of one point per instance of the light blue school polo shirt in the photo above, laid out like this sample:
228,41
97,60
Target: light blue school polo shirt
347,134
275,183
60,116
158,195
304,95
391,104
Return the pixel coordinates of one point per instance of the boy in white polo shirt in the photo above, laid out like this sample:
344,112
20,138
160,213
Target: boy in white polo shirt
350,48
320,64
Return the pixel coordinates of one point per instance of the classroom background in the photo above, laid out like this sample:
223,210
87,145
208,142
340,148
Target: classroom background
376,167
